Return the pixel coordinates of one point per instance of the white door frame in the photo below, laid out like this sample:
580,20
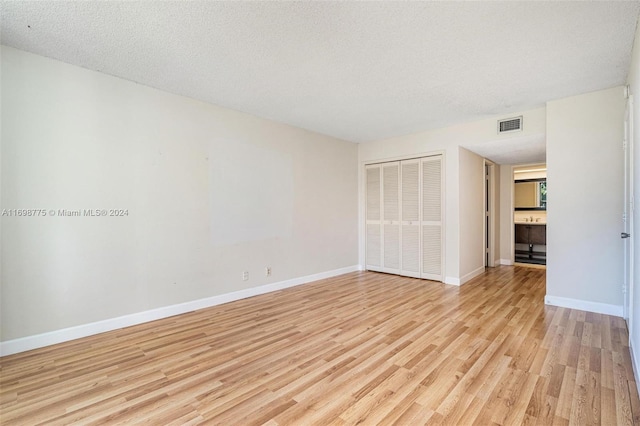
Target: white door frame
489,211
628,285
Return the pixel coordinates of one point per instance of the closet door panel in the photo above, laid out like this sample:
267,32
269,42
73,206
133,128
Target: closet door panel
373,216
432,189
411,251
373,193
391,257
432,194
410,223
391,192
374,247
431,252
391,217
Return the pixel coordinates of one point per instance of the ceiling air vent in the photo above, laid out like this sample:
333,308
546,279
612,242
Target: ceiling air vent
510,125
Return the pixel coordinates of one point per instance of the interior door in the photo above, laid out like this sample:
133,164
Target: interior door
391,217
373,218
432,216
410,224
627,215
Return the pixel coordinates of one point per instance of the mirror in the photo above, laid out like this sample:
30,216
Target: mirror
530,194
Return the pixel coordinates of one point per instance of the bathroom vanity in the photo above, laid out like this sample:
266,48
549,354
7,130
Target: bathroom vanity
531,243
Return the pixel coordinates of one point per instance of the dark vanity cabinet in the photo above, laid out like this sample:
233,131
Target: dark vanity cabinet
531,244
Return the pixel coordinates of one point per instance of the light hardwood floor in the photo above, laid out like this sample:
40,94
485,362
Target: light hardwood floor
360,348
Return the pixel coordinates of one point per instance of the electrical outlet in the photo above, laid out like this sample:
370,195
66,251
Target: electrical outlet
245,275
267,271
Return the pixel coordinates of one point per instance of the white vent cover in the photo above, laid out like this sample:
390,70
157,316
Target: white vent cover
510,125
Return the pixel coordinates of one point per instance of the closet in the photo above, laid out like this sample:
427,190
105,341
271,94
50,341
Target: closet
403,211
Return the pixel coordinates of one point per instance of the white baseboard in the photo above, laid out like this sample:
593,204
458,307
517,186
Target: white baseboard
584,305
507,262
634,363
23,344
471,275
452,280
464,278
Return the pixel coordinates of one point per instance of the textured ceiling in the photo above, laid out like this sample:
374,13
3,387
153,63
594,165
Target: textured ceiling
354,70
515,150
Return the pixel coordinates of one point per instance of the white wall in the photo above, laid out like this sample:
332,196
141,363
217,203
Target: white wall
506,215
445,140
472,214
634,83
584,151
210,193
497,215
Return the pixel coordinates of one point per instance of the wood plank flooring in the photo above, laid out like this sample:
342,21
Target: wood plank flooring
360,348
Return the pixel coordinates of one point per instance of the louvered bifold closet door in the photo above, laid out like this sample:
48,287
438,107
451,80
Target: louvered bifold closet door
410,224
373,215
391,217
432,205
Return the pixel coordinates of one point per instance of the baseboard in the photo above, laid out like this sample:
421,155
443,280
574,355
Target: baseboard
452,280
584,305
634,364
23,344
471,275
464,278
507,262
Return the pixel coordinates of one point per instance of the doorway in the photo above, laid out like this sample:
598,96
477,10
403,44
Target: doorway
530,214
